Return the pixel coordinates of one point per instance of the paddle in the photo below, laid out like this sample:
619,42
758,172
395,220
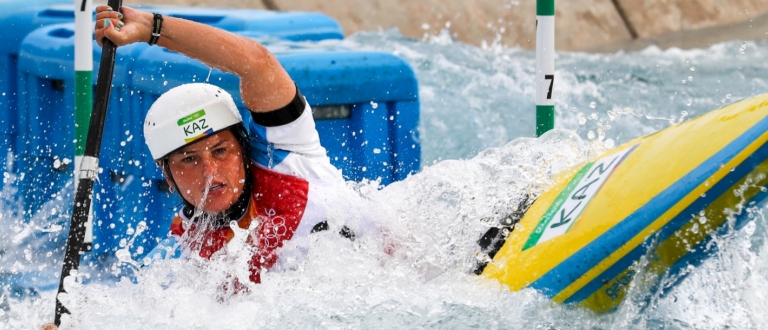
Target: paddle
89,167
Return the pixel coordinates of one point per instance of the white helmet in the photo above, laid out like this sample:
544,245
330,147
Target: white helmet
186,114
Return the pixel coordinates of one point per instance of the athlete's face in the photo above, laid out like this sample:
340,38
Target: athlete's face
210,173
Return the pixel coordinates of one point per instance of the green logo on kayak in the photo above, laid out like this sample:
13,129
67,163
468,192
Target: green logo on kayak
569,204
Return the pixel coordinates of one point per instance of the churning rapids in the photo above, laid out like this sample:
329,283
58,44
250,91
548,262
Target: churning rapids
476,126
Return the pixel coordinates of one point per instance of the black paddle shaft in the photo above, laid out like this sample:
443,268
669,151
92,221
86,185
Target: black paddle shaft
89,166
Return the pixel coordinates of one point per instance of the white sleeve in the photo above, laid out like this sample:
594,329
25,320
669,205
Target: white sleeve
292,148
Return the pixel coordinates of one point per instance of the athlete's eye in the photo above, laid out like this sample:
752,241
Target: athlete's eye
188,159
220,151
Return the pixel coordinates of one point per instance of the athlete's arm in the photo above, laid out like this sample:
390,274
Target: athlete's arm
264,84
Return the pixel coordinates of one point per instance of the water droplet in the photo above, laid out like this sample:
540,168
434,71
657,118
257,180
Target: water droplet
425,26
593,116
690,78
693,68
592,105
582,119
743,48
728,96
609,143
591,135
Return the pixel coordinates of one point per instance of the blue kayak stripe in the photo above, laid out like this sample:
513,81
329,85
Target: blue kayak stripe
609,274
722,187
568,271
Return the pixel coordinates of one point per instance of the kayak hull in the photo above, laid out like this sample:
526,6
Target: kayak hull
659,199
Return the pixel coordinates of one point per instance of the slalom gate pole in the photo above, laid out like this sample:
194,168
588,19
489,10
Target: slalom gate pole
545,65
83,92
89,168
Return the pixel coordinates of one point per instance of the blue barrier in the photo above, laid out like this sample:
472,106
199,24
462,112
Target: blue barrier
45,126
46,86
14,31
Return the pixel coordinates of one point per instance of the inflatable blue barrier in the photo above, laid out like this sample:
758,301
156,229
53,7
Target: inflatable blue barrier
366,107
46,85
45,124
14,31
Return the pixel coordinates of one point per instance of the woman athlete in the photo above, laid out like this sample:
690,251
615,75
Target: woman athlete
261,168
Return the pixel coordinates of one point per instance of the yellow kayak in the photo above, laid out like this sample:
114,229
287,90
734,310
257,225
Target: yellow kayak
663,197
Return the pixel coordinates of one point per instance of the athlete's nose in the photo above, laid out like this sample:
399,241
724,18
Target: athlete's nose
209,165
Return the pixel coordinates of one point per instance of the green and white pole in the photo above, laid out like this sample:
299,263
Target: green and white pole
545,65
83,91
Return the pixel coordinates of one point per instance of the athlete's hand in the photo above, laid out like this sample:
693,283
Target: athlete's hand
124,28
48,326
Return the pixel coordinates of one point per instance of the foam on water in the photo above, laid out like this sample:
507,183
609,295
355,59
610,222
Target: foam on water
414,274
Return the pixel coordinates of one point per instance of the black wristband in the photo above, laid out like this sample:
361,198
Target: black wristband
157,26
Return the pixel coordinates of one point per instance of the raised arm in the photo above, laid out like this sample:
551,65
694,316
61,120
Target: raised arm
264,84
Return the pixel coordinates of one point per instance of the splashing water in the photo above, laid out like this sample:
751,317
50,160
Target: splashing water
474,102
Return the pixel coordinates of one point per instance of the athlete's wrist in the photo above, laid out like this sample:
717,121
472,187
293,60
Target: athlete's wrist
146,24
